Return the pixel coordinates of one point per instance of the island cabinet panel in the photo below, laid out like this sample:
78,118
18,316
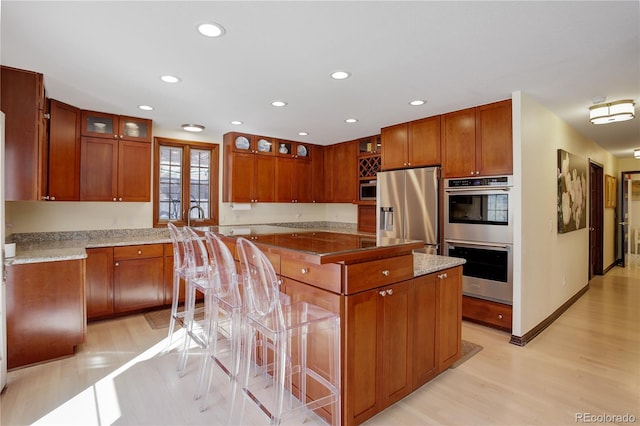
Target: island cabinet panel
138,277
99,282
377,273
45,311
449,316
425,359
327,276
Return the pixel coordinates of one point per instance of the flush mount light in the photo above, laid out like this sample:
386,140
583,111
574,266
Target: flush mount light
340,75
211,30
170,79
612,112
236,122
417,102
145,107
636,153
303,133
351,120
192,127
278,103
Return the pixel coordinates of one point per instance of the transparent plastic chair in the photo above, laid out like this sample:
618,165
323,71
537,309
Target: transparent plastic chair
225,329
199,272
179,276
302,368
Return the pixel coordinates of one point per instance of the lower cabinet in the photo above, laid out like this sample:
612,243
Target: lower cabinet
45,311
399,337
138,277
124,279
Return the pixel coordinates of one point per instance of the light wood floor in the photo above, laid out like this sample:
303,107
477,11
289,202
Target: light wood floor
586,363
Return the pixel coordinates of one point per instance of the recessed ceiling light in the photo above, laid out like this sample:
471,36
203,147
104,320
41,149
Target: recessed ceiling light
211,30
351,120
145,107
170,79
303,133
193,127
417,102
340,75
236,122
278,103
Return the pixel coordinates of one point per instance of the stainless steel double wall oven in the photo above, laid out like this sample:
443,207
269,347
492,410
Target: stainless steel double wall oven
478,227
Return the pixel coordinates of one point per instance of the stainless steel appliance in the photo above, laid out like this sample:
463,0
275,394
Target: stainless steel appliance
407,205
368,190
3,294
478,227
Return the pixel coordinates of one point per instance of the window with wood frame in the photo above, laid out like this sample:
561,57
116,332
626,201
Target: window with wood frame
185,182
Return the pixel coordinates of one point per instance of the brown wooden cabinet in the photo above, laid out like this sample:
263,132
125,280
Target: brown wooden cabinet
412,144
111,126
115,170
45,311
22,99
425,357
487,312
341,172
367,218
478,141
63,183
138,277
249,169
317,174
293,177
379,352
449,316
99,282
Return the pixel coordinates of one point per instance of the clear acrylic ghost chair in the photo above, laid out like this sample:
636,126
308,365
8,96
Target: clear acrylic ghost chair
198,280
179,277
306,347
225,328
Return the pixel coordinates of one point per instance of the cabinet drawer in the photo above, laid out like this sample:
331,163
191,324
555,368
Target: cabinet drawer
378,273
486,312
138,252
327,276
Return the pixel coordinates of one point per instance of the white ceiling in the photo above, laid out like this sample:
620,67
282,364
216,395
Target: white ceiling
108,56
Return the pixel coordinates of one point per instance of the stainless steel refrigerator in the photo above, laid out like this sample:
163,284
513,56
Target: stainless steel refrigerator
407,205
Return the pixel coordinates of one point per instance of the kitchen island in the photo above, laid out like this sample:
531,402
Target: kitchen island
400,310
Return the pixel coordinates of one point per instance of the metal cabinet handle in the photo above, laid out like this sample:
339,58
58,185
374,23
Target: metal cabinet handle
115,199
304,271
385,272
499,316
117,263
390,292
382,293
139,251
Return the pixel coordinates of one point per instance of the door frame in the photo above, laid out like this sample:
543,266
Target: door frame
621,220
596,219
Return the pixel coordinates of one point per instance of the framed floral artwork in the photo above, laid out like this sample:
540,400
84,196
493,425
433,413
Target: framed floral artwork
609,192
572,192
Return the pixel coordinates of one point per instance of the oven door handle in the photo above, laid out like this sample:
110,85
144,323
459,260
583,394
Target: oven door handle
471,188
475,243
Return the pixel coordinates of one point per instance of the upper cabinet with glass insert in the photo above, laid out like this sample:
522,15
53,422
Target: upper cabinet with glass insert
103,125
293,149
253,144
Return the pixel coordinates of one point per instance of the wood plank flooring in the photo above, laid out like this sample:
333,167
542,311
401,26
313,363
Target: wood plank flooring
587,363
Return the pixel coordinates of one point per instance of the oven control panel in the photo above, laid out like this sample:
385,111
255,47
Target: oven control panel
480,182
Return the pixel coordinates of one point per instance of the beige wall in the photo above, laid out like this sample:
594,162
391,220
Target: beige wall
54,216
551,267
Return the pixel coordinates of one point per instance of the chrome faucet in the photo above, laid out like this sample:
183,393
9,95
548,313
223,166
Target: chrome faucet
200,214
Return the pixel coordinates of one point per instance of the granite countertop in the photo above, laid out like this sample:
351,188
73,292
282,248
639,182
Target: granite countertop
51,247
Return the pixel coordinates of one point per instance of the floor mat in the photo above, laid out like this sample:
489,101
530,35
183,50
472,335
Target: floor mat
468,350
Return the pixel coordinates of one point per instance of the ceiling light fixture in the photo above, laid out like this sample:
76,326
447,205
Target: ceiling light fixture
417,102
303,133
351,120
192,127
211,30
278,103
236,122
145,107
636,153
170,79
612,112
340,75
